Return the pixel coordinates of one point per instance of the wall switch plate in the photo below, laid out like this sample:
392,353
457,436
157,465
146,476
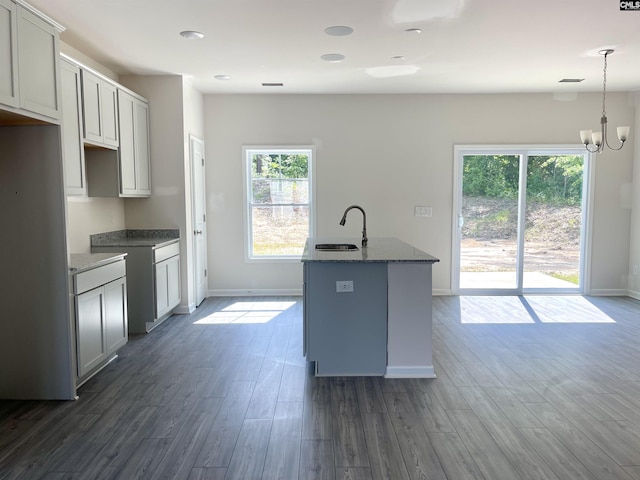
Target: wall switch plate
344,286
422,211
635,269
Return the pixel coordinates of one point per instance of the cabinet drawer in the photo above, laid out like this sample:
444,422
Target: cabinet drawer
162,253
96,277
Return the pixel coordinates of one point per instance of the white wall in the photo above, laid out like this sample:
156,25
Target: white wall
87,216
88,61
634,251
389,153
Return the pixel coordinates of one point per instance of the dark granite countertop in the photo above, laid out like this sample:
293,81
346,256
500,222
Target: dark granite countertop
389,250
79,262
136,238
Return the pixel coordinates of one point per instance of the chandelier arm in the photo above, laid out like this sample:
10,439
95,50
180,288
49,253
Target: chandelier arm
594,150
612,148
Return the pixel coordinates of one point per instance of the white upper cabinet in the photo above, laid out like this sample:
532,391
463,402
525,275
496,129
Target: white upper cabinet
135,178
38,64
73,148
29,66
8,54
100,110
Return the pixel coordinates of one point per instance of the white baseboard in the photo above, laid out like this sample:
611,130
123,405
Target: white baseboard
255,293
426,371
604,292
634,294
185,309
441,292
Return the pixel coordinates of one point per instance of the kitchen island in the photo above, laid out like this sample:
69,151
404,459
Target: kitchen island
367,311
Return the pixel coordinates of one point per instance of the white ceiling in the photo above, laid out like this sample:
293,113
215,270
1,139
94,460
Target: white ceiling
466,46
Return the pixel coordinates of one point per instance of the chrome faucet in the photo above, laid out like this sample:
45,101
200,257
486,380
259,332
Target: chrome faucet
364,222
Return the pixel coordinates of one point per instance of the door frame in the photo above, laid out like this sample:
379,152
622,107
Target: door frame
198,163
588,184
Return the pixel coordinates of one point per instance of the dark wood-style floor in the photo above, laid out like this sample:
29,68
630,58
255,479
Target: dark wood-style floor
527,388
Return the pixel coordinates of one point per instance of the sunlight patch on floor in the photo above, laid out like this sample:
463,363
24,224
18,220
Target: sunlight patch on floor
246,312
498,310
572,309
530,309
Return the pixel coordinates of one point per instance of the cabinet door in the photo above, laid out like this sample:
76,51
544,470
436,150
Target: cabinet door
91,107
109,113
143,159
127,154
38,64
73,151
8,54
115,301
167,285
173,281
91,344
134,146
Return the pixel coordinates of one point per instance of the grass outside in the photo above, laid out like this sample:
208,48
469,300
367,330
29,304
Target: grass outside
279,231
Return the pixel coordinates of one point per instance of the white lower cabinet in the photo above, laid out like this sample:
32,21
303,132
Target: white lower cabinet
115,303
167,279
101,315
90,323
153,276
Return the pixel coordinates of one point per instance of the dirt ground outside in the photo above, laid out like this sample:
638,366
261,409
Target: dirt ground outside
552,237
280,230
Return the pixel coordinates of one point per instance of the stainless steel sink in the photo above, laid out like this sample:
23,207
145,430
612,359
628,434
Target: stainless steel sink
336,247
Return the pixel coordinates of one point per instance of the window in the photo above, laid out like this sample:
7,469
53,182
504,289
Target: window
279,201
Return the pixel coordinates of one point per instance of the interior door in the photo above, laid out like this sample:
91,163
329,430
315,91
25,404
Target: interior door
199,218
520,220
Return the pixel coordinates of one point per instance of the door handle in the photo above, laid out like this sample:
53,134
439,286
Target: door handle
197,232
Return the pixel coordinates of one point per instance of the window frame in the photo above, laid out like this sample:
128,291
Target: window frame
247,151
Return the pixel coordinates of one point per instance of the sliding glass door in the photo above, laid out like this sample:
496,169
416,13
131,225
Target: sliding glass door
519,220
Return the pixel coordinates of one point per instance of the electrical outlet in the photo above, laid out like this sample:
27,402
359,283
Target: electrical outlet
422,211
344,286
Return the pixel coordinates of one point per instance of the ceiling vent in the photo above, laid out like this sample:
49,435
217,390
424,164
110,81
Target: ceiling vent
273,84
571,80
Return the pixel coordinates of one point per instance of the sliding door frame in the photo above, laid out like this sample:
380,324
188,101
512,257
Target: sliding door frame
524,151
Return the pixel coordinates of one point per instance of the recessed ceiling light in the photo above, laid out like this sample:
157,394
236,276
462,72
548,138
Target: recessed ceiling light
571,80
222,77
399,57
273,84
333,57
338,31
413,31
192,34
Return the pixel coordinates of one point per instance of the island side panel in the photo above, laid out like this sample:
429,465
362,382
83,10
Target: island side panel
409,343
346,333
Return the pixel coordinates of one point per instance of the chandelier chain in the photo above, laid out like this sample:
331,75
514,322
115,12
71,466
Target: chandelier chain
604,85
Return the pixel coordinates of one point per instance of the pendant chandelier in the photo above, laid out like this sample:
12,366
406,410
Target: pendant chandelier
595,141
